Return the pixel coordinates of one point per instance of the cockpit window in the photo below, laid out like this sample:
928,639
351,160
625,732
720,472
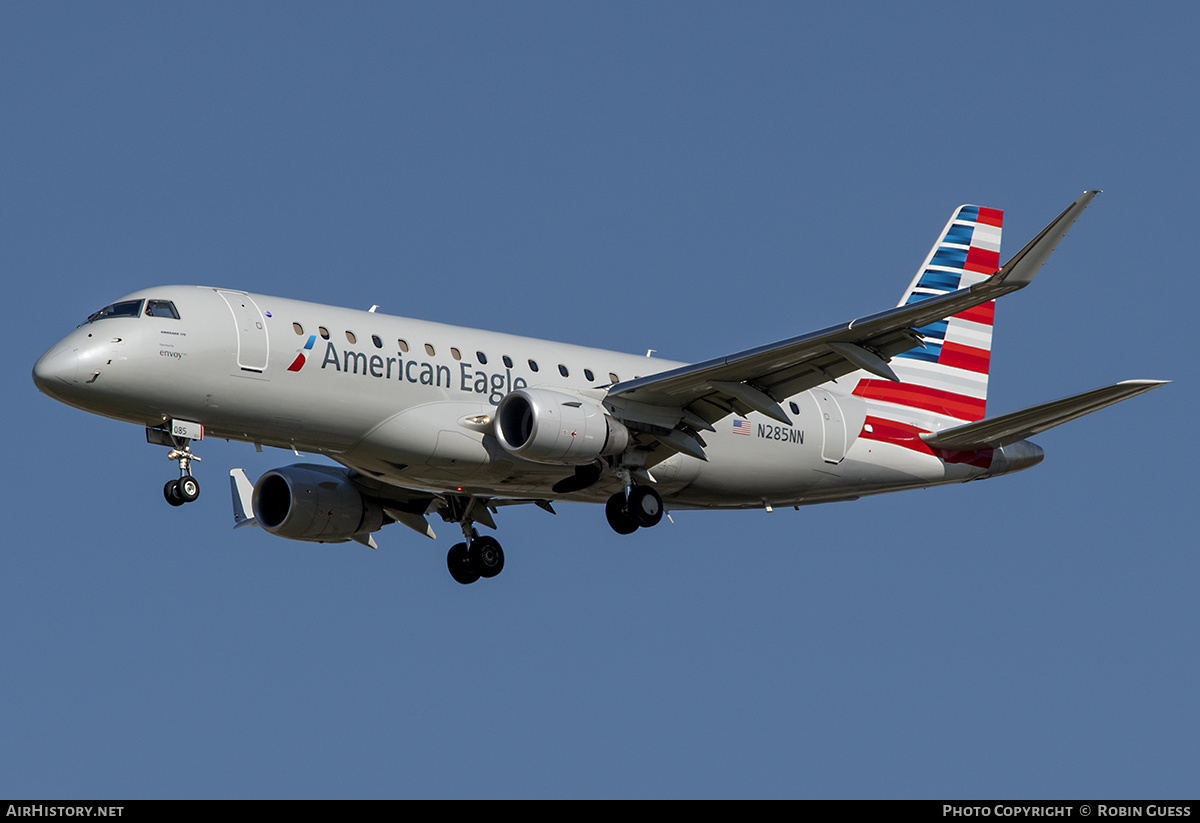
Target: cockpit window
126,308
162,308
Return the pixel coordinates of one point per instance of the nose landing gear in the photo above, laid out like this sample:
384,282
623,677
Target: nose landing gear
184,490
178,438
187,488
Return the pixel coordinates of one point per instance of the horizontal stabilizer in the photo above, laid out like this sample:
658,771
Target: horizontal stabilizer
1019,425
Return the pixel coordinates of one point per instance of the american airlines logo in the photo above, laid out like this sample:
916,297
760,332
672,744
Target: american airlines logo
298,363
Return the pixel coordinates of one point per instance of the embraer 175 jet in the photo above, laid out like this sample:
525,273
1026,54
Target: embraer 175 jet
427,418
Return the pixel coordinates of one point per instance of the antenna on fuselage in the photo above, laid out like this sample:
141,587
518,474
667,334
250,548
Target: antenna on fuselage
372,309
650,352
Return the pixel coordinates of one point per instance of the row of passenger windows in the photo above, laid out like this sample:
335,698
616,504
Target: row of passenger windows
588,374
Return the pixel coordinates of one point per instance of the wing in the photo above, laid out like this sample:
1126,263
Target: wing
410,507
674,405
406,506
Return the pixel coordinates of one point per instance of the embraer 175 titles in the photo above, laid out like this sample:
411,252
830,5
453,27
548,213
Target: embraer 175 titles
430,419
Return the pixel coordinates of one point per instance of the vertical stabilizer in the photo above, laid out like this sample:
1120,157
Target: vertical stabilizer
945,383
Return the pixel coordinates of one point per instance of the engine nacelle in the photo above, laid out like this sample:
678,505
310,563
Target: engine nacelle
551,427
310,502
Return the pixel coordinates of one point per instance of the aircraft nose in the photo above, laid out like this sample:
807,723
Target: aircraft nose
56,369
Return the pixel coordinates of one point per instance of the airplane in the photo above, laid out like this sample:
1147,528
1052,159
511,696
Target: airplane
431,419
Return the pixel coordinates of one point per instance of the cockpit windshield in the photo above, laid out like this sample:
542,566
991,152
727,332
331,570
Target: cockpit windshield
161,308
126,308
133,308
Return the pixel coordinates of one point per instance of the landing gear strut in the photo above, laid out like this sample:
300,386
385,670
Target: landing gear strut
187,488
477,556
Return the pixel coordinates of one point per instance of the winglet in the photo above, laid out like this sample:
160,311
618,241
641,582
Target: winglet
1020,270
243,492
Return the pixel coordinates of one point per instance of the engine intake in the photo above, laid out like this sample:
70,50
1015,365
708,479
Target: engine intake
551,427
310,502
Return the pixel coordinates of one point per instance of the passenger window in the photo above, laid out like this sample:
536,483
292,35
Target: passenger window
613,377
429,350
507,361
324,332
563,370
532,365
161,308
403,344
455,353
481,357
350,336
377,341
588,376
296,327
795,408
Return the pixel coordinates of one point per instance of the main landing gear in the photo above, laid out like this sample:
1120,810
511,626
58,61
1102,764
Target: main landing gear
480,557
477,556
636,507
186,488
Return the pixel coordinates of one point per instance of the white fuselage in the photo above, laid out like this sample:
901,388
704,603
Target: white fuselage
410,402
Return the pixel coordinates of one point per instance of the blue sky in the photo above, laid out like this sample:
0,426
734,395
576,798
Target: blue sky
695,178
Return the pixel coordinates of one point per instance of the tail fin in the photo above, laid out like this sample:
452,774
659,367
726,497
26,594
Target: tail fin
947,379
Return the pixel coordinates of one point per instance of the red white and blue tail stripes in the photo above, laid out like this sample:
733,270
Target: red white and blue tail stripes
945,383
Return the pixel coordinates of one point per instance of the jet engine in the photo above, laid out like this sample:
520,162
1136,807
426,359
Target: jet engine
551,427
310,502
